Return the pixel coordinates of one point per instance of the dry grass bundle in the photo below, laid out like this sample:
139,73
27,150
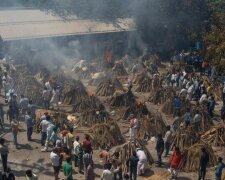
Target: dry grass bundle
215,136
73,92
122,99
106,134
119,69
192,157
126,151
185,138
152,125
25,83
108,86
92,117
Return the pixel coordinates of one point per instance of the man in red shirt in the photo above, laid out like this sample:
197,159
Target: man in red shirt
87,144
175,162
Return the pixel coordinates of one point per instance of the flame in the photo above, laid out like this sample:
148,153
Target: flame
117,89
139,101
91,94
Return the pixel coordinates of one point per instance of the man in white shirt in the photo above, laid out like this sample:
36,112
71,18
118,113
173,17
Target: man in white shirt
55,159
142,161
44,125
46,95
75,150
107,174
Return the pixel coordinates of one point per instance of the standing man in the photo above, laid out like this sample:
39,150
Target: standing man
177,106
44,125
70,140
75,150
4,154
197,120
67,169
46,96
30,124
23,105
160,149
87,159
203,164
219,168
15,128
167,140
133,163
49,134
55,162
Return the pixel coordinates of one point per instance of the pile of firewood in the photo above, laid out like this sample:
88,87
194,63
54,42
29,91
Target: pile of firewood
85,72
168,106
108,87
25,83
91,117
122,99
185,138
144,83
73,92
139,109
106,134
126,150
161,94
152,125
192,155
86,103
215,136
119,69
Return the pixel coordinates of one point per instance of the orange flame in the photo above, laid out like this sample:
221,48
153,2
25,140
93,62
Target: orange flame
91,94
139,101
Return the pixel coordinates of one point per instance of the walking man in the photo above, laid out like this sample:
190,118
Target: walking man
160,149
168,139
203,164
15,128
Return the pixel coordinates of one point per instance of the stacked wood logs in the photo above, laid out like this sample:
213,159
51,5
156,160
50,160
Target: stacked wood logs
106,134
185,138
73,92
108,86
192,155
215,136
25,83
119,69
92,117
126,150
122,99
86,103
152,125
144,83
139,109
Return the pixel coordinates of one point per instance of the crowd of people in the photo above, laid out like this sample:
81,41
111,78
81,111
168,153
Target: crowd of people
69,154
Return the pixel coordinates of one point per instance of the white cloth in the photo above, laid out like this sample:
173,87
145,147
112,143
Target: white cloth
168,137
142,162
107,175
133,133
44,125
55,96
55,159
75,149
203,98
48,86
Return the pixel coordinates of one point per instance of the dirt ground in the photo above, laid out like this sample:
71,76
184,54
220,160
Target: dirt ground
29,155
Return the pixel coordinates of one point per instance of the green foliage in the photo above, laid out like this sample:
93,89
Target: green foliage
214,38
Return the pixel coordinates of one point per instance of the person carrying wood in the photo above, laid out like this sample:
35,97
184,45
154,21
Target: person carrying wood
142,162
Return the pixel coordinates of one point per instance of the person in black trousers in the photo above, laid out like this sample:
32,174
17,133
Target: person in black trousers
203,164
132,163
4,154
160,148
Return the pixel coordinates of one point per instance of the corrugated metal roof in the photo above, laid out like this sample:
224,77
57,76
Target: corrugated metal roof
29,23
